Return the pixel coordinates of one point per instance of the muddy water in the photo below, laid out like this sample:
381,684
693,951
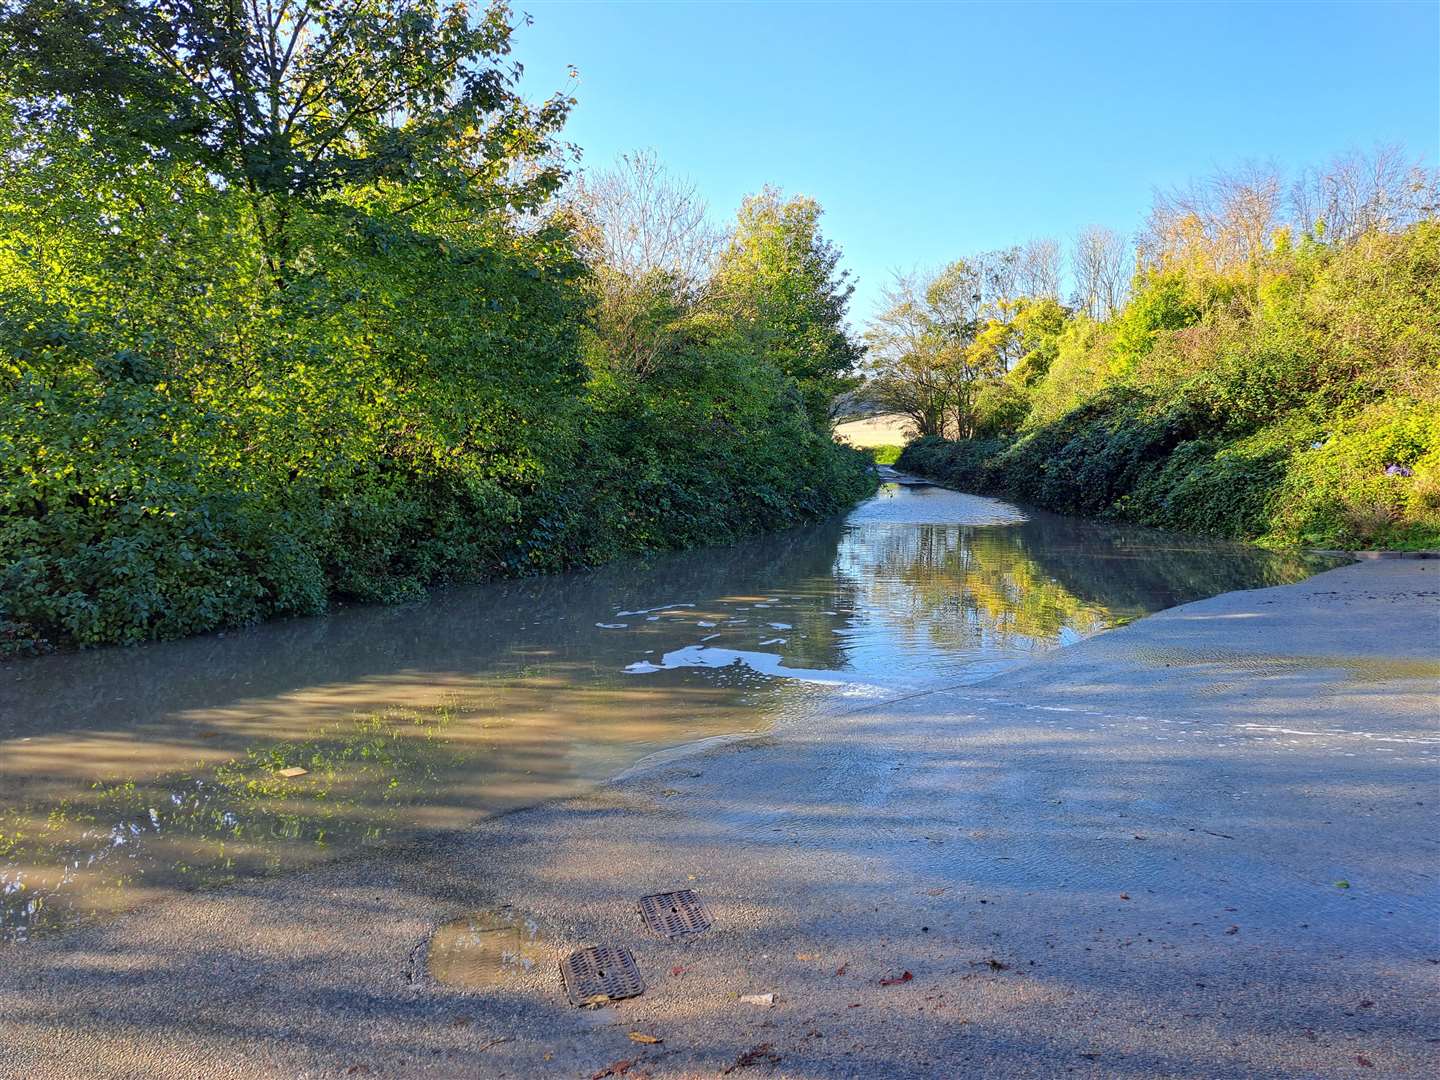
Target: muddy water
481,949
127,774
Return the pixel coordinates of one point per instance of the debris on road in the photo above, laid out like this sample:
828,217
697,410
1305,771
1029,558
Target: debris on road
763,1054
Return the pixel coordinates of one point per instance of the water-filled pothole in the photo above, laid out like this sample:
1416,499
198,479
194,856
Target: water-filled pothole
486,948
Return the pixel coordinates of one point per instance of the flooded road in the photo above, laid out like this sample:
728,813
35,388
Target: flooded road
127,774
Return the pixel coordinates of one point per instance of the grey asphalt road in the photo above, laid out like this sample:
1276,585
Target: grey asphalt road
1203,845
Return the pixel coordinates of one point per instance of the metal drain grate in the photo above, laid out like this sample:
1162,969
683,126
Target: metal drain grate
675,914
601,973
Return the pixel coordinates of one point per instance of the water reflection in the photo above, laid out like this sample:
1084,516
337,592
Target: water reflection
128,773
480,950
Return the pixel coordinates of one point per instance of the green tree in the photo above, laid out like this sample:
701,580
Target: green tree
781,278
292,99
937,344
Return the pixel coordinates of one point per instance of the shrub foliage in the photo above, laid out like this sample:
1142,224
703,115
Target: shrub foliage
1292,396
250,369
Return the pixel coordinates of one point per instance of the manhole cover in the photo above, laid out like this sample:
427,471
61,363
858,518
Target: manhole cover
675,914
601,973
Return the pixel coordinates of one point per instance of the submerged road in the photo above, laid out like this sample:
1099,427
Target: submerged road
1206,844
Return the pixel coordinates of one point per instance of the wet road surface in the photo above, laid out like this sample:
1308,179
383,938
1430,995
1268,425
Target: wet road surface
1200,845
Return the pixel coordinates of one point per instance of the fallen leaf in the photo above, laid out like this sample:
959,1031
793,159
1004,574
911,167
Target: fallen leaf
641,1037
1342,884
1361,1059
764,1054
292,772
1124,896
896,980
677,970
842,969
805,957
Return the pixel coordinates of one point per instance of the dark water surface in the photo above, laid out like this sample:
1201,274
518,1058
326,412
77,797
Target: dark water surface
127,774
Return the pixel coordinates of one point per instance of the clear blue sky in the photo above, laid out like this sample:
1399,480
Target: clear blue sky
929,131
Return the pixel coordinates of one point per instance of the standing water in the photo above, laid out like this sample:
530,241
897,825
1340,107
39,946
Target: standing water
128,774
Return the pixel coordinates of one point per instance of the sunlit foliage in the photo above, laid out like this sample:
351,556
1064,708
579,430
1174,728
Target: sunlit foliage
291,312
1265,380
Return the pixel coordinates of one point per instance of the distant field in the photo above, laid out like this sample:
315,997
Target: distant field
887,430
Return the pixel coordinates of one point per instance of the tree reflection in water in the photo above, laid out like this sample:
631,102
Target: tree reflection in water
130,773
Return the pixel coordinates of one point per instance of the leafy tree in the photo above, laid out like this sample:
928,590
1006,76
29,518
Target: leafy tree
1264,378
288,315
781,279
937,343
292,99
1038,324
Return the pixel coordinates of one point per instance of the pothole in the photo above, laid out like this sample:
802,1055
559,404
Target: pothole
486,948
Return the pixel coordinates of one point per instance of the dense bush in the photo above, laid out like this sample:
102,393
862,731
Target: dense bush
366,440
234,387
1295,402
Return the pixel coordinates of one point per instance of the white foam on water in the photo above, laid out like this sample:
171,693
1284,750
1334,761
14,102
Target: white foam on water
648,610
704,656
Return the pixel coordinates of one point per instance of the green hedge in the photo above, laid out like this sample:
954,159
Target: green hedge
1294,400
1290,483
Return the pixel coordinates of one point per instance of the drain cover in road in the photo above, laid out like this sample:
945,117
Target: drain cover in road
675,914
601,973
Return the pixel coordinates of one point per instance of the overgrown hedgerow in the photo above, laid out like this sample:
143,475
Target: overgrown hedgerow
1301,409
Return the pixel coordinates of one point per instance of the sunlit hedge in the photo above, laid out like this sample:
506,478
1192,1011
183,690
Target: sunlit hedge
1299,407
184,447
